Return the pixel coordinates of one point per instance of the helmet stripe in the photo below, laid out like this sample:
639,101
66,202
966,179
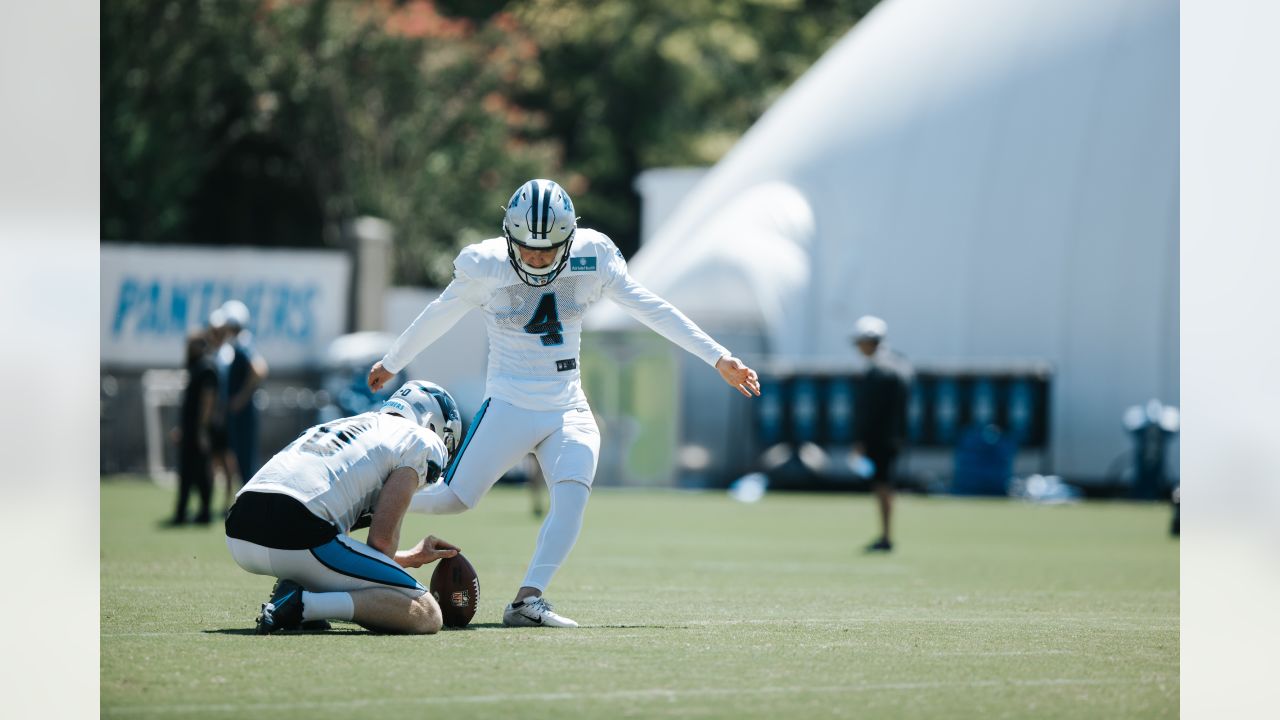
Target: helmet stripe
546,213
534,200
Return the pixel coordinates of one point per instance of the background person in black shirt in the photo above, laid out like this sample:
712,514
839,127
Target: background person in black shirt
880,415
193,434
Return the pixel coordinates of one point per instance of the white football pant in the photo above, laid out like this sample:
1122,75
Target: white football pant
567,445
341,565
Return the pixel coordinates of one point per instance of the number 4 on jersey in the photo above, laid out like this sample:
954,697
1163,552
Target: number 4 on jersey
546,321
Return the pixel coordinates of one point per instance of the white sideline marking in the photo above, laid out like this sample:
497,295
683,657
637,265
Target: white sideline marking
646,694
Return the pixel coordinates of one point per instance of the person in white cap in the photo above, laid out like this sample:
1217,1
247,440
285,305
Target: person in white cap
223,461
880,415
243,370
534,284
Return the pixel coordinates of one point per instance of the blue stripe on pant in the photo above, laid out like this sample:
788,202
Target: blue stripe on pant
342,559
475,423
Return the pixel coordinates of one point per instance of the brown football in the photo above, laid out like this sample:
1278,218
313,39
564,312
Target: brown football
456,587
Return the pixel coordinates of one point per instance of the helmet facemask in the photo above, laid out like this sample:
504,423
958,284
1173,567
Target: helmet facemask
539,216
537,277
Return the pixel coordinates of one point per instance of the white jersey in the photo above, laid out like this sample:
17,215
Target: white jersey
337,469
535,333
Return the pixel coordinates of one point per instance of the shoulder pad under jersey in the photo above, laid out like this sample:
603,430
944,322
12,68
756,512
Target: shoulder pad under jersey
420,449
607,257
588,242
483,260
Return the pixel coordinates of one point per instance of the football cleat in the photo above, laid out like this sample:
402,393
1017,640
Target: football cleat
534,612
284,610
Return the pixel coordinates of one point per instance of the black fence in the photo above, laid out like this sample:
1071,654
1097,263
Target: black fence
799,407
287,405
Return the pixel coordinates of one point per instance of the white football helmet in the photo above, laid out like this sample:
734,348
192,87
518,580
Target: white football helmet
539,216
430,406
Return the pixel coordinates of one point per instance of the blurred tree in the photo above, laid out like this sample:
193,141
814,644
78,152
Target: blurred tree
171,105
270,122
629,85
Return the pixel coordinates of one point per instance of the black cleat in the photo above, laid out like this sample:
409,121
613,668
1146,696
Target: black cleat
881,545
284,610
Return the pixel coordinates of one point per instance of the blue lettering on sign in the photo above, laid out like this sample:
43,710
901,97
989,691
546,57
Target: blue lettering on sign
306,311
178,306
151,320
252,299
280,318
128,298
206,299
171,308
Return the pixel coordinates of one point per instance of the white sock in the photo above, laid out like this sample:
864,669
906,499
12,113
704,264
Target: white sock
437,499
327,606
559,532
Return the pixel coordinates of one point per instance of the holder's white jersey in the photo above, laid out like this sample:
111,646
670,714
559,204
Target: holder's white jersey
535,333
337,469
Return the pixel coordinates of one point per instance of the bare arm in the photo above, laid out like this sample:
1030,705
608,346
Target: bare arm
384,533
393,501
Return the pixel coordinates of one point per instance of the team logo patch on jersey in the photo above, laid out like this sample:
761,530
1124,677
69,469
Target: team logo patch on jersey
563,365
582,264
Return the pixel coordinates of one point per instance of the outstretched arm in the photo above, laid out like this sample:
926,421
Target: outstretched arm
663,318
672,324
435,320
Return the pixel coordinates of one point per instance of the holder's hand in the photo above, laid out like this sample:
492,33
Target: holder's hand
429,550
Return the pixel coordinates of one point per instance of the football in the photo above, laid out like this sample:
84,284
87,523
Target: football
456,588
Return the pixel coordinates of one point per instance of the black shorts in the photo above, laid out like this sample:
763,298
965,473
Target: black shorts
884,461
278,521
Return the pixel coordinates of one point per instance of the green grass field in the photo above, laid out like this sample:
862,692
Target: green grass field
692,605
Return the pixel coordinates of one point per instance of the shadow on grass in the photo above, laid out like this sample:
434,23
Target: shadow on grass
356,630
253,631
492,626
169,524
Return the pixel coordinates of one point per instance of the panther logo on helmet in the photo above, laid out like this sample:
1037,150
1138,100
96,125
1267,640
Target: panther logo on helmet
431,407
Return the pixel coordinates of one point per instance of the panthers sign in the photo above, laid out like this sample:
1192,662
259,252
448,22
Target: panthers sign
153,295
